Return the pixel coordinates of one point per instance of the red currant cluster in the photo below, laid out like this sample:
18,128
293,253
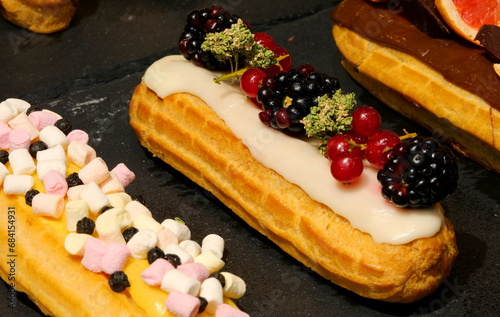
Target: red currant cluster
364,140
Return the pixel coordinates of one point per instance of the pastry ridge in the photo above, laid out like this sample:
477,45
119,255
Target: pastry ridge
184,132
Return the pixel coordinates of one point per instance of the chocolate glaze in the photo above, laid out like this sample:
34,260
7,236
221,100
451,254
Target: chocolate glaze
459,61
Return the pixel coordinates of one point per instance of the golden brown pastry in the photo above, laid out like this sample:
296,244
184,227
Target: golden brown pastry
40,16
447,85
187,134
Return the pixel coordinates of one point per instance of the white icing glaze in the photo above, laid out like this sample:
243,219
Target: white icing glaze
296,160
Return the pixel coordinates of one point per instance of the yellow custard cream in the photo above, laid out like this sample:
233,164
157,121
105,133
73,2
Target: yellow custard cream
296,160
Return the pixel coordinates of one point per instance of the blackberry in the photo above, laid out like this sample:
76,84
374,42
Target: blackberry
4,156
287,97
118,281
200,22
85,225
419,173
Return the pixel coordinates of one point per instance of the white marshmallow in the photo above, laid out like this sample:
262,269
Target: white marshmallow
4,171
119,199
21,162
43,167
192,247
179,229
80,153
21,121
56,153
210,260
112,184
17,184
94,196
95,171
73,192
211,290
52,136
75,211
165,237
19,104
48,205
146,222
183,255
142,242
75,243
213,242
234,286
7,111
136,208
176,280
109,224
117,215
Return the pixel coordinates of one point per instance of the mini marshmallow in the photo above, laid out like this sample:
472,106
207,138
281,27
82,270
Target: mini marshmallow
4,135
94,251
52,136
48,205
21,162
176,280
55,183
125,175
43,167
192,247
179,229
195,270
165,237
19,139
42,119
118,215
95,171
17,184
234,286
18,104
182,305
73,192
21,121
136,208
142,242
4,171
155,272
211,290
75,211
7,111
56,153
210,260
109,231
183,255
94,196
75,243
146,222
213,242
119,199
81,153
114,258
226,310
78,135
112,184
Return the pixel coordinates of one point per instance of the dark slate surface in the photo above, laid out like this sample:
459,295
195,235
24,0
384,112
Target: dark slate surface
88,73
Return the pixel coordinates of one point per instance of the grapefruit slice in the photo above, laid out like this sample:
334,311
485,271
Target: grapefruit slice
466,17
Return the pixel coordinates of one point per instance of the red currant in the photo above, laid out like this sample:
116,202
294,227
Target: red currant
265,40
250,81
379,143
365,121
346,167
286,63
341,143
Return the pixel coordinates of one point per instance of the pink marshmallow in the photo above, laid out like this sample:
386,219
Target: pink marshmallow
19,139
4,135
115,257
112,184
154,273
48,205
225,310
78,135
95,171
55,183
165,237
195,270
182,305
125,175
42,119
94,251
